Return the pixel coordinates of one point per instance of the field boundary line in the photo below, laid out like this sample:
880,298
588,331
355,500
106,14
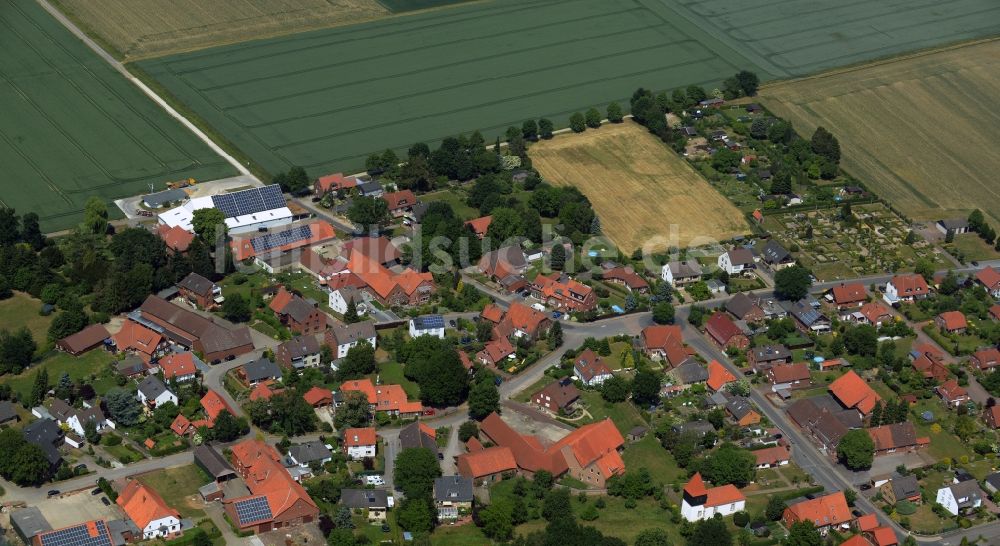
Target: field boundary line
879,62
66,22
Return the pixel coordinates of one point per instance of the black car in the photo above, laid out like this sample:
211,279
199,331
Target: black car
451,323
80,468
96,491
53,492
440,456
975,263
105,501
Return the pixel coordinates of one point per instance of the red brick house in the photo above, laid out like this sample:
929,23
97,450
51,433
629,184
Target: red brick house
200,291
896,438
628,278
992,416
301,316
792,376
848,296
562,292
276,501
665,342
480,226
876,314
725,333
333,182
953,394
989,278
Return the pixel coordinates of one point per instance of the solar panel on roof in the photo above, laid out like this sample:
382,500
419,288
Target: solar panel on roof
253,510
249,201
78,535
264,243
430,321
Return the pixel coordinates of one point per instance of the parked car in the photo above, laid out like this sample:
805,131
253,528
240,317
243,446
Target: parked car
96,491
451,323
375,480
105,501
80,468
53,492
556,315
430,411
975,263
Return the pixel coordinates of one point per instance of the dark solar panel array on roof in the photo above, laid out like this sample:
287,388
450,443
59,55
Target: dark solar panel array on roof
264,243
249,201
252,510
78,535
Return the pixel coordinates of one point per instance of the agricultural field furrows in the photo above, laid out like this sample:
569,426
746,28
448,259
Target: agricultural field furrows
73,127
642,191
917,130
325,100
136,29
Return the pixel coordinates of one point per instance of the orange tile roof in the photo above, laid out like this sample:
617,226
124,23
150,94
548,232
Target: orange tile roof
884,536
715,496
909,285
263,391
317,395
473,444
492,313
846,294
856,540
177,364
336,182
480,225
213,404
987,358
383,281
589,365
486,462
660,336
995,311
867,522
757,214
264,475
393,398
592,442
874,311
399,199
822,511
144,505
554,287
427,429
524,318
722,328
466,361
149,443
136,337
853,392
989,277
497,350
951,390
361,385
176,238
180,425
354,437
771,455
953,320
628,276
718,375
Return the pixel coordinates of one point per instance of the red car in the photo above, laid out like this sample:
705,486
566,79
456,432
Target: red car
429,411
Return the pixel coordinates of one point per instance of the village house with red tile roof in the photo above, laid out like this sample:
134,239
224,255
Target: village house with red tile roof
496,352
590,453
389,288
701,502
177,239
952,322
359,443
906,288
244,249
591,368
771,457
522,321
136,339
178,367
989,278
628,278
875,313
150,513
826,512
333,182
665,342
952,394
896,438
388,398
399,202
561,292
725,333
718,376
853,392
480,226
318,397
985,359
847,296
486,465
276,500
928,360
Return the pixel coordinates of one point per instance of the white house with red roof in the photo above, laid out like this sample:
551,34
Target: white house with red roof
989,278
591,368
905,288
701,503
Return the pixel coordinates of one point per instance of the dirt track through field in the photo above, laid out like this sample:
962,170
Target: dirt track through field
643,192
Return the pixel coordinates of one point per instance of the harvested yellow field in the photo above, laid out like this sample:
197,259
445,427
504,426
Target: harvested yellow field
919,131
645,194
139,29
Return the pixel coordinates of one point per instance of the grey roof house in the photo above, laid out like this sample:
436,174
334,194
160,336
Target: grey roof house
308,453
451,495
259,370
47,435
412,436
214,464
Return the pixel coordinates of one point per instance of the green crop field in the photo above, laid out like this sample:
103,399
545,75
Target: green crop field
72,127
401,6
324,100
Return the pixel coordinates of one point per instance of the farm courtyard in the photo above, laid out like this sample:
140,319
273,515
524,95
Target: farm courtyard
917,130
643,192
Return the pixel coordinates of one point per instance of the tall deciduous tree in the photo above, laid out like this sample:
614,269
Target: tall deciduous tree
416,469
856,450
577,122
484,398
95,216
545,128
615,113
368,211
792,283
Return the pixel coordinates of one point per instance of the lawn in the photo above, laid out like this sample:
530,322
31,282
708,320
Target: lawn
457,201
94,363
57,95
904,157
525,395
618,521
179,487
624,414
325,100
391,373
971,247
124,453
648,453
944,443
652,183
22,310
465,535
614,360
